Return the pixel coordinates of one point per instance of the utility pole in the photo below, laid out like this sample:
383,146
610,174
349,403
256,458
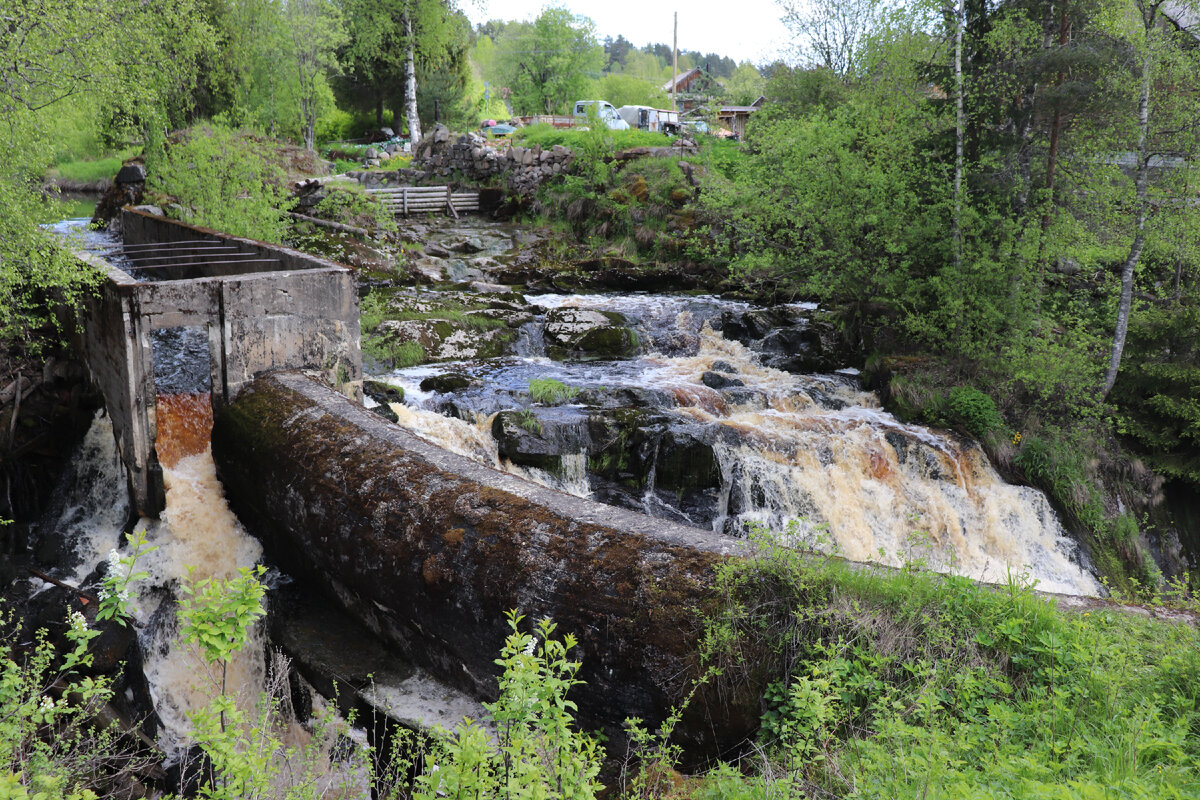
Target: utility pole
675,65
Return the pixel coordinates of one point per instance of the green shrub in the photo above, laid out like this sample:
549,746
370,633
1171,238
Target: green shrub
223,180
539,753
893,684
353,206
975,410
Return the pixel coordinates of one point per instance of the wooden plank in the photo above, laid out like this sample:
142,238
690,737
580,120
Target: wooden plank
433,191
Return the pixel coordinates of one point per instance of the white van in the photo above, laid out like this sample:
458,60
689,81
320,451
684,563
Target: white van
608,114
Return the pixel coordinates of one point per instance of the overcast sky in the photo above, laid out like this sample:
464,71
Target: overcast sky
745,30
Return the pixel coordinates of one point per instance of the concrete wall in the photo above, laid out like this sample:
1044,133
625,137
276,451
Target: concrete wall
431,549
304,316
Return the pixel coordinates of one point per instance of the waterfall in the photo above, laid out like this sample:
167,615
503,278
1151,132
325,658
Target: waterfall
198,537
811,454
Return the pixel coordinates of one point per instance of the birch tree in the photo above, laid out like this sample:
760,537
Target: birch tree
1166,131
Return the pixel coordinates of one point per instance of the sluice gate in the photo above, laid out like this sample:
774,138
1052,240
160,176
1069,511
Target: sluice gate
256,306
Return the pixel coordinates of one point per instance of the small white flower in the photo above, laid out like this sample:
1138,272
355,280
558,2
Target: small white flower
114,563
76,620
47,704
531,645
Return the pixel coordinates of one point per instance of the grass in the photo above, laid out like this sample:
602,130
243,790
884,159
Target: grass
551,392
399,355
548,136
92,170
913,684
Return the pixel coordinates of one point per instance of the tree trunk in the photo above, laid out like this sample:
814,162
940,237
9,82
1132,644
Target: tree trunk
959,127
379,110
1139,239
410,77
1064,28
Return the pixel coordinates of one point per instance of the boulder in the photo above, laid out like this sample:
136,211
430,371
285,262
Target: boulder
131,173
579,333
715,380
445,383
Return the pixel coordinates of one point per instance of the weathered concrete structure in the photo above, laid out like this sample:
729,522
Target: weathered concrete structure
263,306
431,549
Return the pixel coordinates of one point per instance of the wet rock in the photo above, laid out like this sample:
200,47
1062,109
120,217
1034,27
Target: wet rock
384,394
578,333
539,439
467,246
745,397
446,383
789,341
442,339
687,470
626,397
434,249
715,380
723,366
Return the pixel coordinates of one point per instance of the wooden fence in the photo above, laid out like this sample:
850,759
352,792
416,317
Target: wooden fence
405,200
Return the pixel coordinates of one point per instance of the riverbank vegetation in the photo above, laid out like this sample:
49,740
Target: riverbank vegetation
900,683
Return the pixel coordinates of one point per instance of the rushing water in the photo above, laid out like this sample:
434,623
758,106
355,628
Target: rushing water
812,454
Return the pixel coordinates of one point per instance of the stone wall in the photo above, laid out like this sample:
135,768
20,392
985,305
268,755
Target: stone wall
522,169
431,549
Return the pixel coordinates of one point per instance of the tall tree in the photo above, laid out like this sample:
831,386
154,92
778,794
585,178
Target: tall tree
830,35
59,52
548,64
313,33
1163,68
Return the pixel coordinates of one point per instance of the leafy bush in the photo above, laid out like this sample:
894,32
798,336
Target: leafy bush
975,410
539,752
353,206
223,180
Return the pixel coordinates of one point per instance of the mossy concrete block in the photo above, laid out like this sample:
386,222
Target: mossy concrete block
430,549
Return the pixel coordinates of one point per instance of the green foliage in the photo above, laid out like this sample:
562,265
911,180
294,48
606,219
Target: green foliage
51,743
217,614
976,411
92,170
114,595
223,180
551,392
1158,390
539,753
894,684
355,207
545,62
37,274
529,421
629,90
